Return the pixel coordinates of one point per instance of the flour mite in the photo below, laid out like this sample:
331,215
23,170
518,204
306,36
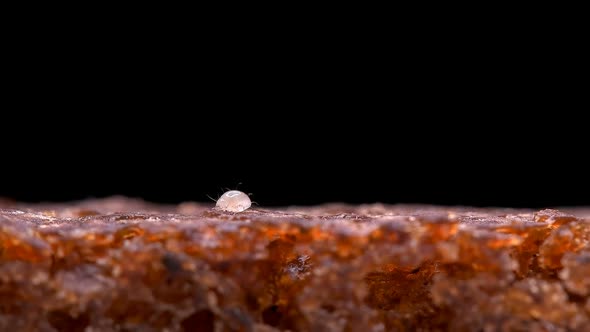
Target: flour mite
233,201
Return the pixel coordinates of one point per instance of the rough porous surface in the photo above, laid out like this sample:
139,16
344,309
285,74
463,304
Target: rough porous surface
124,265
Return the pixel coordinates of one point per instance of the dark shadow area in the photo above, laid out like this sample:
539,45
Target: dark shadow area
302,181
290,153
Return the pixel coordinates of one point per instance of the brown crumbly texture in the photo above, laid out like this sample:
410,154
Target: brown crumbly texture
125,265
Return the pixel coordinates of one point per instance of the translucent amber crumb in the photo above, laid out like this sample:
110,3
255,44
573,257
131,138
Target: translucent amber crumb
126,265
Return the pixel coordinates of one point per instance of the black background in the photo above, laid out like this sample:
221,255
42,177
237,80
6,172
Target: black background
172,109
295,156
274,184
296,132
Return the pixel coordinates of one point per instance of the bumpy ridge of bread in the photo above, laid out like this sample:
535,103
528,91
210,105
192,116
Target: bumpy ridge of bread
122,264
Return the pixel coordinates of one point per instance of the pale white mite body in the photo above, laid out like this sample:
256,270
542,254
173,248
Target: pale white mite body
233,201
